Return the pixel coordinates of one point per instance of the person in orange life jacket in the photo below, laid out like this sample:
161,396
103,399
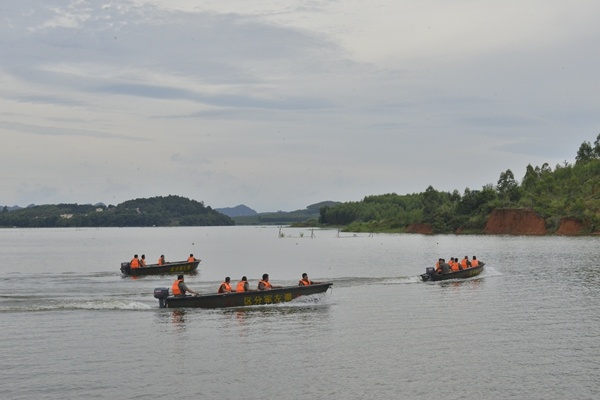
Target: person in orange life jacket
179,288
191,258
474,262
305,281
225,286
143,261
135,262
264,284
161,260
465,263
454,265
243,285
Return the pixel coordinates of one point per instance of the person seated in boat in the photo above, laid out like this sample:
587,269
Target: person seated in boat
474,262
465,263
444,267
264,284
454,265
305,281
143,261
161,260
191,258
135,262
179,288
225,286
243,285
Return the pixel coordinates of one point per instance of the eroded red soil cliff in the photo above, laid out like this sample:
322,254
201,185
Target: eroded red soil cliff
570,226
419,228
507,221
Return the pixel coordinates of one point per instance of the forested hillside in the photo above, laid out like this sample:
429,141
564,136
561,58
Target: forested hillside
155,211
565,191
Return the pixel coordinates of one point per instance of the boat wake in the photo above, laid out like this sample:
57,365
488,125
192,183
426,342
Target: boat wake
402,280
54,305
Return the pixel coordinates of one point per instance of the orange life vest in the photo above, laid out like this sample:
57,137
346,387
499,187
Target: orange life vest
191,259
454,266
160,261
464,264
225,288
266,284
175,288
475,263
241,286
134,263
304,282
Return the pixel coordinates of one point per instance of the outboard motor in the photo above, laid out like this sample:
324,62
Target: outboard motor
161,293
125,267
430,271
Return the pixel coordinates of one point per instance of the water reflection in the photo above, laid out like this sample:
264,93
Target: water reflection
178,317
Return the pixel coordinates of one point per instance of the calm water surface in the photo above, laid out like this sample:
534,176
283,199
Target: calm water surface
74,328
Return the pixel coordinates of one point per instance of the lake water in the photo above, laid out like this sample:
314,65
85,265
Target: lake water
74,328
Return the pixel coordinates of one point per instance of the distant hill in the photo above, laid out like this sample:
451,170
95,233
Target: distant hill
155,211
308,215
237,211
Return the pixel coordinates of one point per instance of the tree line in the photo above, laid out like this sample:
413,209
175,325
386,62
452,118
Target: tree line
568,190
156,211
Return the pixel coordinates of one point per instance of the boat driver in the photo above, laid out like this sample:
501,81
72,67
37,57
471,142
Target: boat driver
179,288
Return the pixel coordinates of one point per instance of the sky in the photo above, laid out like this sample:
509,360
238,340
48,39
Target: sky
280,104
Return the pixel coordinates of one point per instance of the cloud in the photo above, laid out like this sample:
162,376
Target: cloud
284,104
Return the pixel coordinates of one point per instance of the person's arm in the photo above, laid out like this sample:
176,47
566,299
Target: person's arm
184,288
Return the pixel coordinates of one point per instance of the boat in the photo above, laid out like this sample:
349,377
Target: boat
174,267
430,274
238,299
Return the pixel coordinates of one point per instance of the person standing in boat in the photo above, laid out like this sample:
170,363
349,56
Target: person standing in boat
264,284
179,288
243,285
305,281
225,286
143,261
135,262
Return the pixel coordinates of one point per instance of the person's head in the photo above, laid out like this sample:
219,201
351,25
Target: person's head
191,255
474,258
244,278
162,256
180,277
143,256
305,276
265,277
135,256
227,279
466,257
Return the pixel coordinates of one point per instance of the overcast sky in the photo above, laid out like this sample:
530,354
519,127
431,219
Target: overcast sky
279,104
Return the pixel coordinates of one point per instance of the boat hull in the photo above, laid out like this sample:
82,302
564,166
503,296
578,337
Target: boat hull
465,273
173,268
244,299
